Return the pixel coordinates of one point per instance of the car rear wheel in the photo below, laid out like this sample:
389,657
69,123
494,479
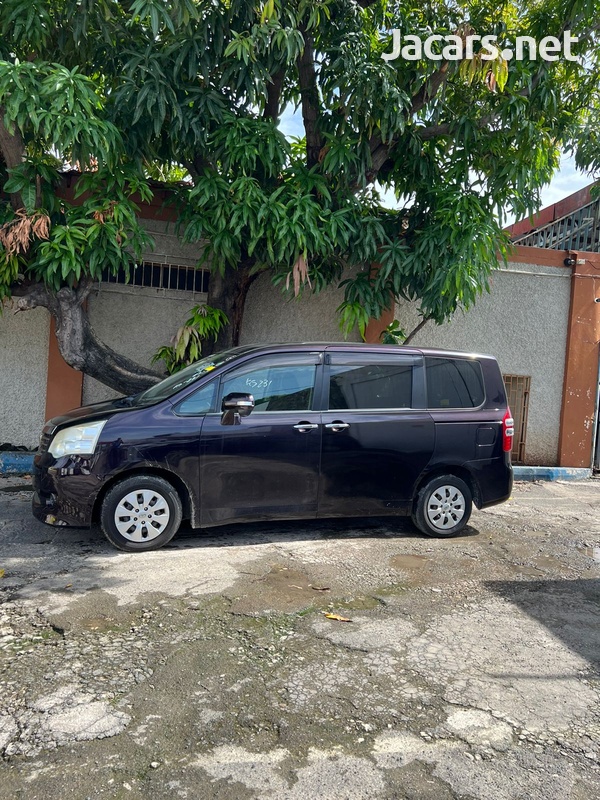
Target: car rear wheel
443,506
141,513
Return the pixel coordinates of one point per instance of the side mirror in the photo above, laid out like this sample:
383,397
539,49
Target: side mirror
234,406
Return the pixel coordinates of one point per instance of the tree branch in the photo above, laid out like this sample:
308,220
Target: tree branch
415,330
84,288
309,95
78,343
191,168
274,90
12,149
432,131
429,89
34,296
444,129
380,151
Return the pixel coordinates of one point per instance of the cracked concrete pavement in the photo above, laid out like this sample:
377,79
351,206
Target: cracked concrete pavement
208,669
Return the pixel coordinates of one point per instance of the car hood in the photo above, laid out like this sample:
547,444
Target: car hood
89,413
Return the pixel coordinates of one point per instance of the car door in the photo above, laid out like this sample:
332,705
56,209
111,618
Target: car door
267,466
377,435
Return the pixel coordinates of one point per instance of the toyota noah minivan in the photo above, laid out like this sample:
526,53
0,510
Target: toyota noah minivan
291,431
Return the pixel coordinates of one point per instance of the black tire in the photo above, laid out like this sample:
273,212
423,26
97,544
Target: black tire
159,527
455,493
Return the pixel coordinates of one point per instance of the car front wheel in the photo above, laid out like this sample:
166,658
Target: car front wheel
141,513
443,506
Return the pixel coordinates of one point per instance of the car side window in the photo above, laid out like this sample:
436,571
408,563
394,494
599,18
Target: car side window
275,387
454,383
370,386
200,402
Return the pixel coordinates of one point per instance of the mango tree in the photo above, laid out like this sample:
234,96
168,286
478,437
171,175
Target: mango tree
195,90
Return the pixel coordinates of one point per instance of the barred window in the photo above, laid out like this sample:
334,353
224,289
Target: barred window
155,275
518,389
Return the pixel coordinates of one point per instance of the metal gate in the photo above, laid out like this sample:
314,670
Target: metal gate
517,389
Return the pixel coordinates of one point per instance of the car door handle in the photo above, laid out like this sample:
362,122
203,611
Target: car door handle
336,427
305,427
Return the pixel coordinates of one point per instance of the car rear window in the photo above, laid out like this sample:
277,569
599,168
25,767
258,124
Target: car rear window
370,386
454,383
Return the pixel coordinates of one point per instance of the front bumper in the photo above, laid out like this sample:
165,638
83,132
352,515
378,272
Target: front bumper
64,490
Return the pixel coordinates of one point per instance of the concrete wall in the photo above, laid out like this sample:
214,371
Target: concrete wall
23,374
272,316
137,321
168,248
523,322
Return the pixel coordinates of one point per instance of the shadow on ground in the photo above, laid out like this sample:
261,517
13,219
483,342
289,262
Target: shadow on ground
568,609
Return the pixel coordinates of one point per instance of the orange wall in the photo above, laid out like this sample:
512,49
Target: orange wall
64,385
578,418
376,326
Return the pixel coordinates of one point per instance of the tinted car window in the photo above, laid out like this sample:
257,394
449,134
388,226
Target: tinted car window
275,387
454,383
200,402
372,386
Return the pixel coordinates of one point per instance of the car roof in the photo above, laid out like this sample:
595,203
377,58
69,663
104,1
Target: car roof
365,346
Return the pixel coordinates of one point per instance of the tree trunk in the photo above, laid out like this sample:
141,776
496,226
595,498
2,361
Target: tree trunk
78,343
228,293
12,149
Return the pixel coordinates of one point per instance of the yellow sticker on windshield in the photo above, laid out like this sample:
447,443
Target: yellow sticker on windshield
209,368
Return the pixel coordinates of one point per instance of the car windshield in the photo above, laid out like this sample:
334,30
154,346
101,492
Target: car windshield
185,377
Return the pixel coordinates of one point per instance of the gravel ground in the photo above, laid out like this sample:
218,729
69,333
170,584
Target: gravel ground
468,669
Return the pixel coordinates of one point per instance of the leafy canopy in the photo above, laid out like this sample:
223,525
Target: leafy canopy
195,89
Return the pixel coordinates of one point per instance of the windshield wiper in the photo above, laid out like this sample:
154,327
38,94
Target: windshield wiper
127,401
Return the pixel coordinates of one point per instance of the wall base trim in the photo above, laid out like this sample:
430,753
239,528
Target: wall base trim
551,473
16,463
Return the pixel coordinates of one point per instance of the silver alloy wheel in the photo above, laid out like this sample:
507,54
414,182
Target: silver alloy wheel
446,507
142,516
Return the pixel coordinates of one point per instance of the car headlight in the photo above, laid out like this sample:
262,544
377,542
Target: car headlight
76,440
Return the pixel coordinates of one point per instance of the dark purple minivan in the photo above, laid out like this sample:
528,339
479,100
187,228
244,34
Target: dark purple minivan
287,431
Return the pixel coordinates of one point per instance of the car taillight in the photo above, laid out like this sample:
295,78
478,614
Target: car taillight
508,431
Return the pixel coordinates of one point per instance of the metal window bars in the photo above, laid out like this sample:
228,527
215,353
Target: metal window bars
155,275
518,388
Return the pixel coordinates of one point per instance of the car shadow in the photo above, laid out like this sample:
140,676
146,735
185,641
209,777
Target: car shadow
246,534
568,609
250,533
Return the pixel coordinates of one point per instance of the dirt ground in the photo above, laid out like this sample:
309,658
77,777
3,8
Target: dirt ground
469,667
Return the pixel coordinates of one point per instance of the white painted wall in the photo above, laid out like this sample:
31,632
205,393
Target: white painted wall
23,374
523,322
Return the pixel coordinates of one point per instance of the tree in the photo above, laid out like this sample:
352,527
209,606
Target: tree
53,115
198,87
